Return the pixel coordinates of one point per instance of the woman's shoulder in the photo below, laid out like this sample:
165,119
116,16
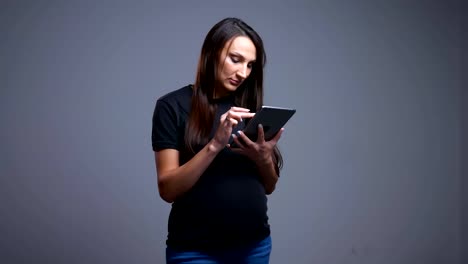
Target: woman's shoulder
181,94
179,100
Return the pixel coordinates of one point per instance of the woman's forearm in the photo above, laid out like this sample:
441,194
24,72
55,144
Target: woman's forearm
175,182
268,174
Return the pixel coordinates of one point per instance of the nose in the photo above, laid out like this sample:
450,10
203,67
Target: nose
242,72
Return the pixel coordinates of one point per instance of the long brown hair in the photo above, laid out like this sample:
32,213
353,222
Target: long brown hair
248,95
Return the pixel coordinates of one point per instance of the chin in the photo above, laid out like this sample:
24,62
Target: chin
231,88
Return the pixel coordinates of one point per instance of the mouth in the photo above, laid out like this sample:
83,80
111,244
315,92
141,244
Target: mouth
234,82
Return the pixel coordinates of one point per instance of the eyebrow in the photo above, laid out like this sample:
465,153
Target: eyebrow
240,55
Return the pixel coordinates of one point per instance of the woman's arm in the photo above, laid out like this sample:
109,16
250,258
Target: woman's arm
174,180
268,174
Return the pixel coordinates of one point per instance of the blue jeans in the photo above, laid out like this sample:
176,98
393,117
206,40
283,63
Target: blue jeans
258,253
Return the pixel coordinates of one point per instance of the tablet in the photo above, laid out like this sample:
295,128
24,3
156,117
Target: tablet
272,118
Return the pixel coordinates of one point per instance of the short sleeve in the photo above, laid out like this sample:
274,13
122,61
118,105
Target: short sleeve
165,132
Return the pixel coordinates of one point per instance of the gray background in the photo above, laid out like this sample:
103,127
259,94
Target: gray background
374,157
464,115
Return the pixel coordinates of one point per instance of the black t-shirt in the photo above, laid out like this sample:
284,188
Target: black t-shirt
227,207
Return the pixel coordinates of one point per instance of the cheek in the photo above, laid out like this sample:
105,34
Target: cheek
222,71
229,69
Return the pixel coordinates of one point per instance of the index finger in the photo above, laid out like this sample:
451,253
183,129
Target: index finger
246,115
240,109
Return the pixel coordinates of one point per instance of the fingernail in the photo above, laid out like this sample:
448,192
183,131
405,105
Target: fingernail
260,126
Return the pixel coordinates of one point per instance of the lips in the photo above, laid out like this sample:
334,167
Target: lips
234,82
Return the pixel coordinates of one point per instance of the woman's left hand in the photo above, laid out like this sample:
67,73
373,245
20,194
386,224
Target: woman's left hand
259,151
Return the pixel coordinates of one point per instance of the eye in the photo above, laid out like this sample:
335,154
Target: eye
234,59
250,65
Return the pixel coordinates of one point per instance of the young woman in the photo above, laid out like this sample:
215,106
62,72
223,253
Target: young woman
218,193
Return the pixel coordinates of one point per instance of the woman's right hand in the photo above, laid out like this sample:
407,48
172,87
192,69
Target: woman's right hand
227,122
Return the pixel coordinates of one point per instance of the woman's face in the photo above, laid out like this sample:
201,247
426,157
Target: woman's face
237,59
